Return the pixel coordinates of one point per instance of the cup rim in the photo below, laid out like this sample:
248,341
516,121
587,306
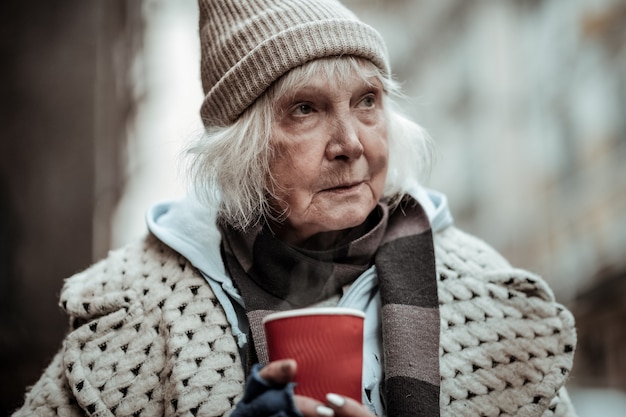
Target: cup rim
314,311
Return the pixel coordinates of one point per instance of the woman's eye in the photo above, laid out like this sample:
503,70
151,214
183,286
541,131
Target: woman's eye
303,109
368,101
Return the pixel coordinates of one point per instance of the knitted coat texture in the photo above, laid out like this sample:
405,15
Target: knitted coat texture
149,338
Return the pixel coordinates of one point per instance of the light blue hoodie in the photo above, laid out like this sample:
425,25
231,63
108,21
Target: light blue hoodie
189,227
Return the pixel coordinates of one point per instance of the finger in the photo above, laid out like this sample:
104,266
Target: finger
279,372
347,407
312,408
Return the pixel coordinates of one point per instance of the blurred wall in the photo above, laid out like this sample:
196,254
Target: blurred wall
65,105
167,73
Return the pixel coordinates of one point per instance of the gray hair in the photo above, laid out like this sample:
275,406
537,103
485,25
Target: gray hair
229,167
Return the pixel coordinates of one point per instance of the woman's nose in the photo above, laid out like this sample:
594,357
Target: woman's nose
344,143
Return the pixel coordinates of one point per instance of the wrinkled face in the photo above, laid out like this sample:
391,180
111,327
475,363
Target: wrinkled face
330,164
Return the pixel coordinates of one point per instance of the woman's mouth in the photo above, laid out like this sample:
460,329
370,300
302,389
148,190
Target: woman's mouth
344,188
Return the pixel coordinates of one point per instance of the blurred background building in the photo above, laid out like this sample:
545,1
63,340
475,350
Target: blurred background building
525,101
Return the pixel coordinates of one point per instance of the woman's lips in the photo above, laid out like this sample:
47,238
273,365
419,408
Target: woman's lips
344,188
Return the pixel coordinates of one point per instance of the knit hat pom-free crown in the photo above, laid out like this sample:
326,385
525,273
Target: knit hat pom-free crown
246,45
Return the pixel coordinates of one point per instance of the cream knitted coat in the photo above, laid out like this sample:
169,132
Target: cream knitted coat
149,338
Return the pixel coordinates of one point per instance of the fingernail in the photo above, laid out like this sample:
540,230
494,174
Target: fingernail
336,400
324,411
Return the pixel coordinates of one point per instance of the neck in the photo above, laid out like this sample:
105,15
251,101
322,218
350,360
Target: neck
324,240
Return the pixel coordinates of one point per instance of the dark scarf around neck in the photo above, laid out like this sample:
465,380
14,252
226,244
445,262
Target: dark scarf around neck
274,276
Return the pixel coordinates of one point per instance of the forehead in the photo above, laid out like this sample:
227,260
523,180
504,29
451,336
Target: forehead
329,85
331,72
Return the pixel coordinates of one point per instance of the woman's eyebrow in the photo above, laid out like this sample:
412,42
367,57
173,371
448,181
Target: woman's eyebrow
298,94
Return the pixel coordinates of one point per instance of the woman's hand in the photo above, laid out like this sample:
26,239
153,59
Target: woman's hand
283,371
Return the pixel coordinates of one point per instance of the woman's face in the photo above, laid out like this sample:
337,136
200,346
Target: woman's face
330,142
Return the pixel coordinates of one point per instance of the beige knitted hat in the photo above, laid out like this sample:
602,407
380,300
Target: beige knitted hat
246,45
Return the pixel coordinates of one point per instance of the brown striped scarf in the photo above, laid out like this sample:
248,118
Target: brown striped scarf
273,276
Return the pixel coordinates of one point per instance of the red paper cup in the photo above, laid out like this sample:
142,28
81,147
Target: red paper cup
327,344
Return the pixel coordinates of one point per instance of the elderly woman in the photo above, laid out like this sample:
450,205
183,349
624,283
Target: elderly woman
305,193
